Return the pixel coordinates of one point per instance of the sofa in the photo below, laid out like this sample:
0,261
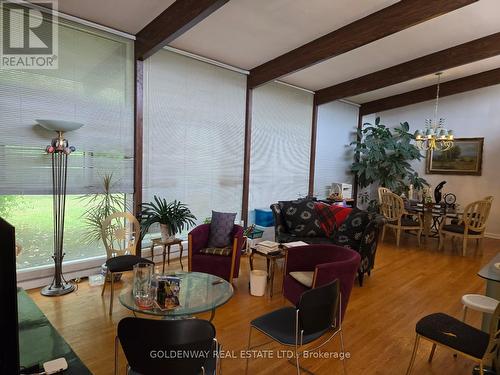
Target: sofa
359,231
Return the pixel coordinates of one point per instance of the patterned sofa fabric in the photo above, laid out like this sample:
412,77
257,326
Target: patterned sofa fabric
359,232
300,218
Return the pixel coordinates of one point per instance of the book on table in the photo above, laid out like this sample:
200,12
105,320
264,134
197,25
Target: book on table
289,245
267,247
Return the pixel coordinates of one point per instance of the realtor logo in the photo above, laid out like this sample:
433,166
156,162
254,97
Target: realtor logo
28,35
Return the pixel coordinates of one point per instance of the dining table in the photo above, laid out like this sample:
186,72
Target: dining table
432,216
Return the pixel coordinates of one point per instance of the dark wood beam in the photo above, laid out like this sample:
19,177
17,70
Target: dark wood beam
312,158
473,82
390,20
171,23
462,54
247,155
138,140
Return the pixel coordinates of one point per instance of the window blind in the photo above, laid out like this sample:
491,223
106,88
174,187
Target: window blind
281,142
336,129
194,118
92,85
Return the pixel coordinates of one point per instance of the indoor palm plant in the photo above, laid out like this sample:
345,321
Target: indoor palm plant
383,157
173,217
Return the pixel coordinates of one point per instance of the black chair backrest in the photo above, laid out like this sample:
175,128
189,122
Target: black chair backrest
319,308
152,346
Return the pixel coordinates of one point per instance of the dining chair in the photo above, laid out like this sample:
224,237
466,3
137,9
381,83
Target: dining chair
471,225
461,338
316,314
120,232
381,190
392,207
148,345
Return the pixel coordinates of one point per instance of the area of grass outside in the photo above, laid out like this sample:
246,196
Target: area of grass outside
32,217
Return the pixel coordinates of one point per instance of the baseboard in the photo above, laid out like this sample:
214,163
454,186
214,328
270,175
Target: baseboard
492,235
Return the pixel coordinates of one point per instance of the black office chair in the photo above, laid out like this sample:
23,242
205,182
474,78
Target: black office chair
317,313
152,347
459,337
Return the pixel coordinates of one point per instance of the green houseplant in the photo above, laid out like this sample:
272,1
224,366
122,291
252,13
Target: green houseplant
173,217
383,157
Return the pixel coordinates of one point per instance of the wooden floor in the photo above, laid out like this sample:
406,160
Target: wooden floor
407,283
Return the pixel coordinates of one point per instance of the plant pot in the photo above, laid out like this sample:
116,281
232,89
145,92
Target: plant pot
165,233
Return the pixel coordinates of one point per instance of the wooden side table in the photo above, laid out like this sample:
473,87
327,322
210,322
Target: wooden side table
166,245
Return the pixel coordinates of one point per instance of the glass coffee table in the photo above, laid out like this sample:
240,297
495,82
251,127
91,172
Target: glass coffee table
199,293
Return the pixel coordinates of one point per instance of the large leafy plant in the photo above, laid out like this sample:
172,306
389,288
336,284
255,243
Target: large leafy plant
383,157
175,215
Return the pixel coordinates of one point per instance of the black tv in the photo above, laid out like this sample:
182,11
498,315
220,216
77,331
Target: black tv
9,355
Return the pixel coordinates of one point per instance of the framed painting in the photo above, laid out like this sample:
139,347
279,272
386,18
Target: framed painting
464,158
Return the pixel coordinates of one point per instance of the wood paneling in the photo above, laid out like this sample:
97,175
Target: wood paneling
173,22
312,158
387,21
473,82
462,54
379,329
247,155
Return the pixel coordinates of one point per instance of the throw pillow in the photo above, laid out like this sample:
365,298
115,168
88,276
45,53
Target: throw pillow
221,229
224,251
331,216
301,218
303,277
350,233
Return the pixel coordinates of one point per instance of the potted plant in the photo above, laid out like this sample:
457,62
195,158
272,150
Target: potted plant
173,217
383,157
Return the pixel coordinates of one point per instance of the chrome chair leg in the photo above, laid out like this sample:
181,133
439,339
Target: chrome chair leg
342,349
112,293
431,355
414,354
104,285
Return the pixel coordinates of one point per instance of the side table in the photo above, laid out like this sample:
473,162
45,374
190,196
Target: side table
166,245
271,264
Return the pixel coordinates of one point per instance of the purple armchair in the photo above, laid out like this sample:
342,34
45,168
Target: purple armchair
328,262
226,267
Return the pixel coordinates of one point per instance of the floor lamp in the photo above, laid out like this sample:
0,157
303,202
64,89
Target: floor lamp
59,151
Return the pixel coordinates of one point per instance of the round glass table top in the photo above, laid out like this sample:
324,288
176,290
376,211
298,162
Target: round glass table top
199,292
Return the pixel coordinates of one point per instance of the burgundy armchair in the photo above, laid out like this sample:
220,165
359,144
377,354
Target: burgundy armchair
226,267
328,262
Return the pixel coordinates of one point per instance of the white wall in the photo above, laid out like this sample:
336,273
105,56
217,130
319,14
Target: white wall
472,114
337,122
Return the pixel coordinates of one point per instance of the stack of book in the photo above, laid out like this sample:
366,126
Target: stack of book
268,247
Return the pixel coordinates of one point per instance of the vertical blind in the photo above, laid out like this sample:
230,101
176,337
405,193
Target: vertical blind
281,141
337,122
92,85
194,119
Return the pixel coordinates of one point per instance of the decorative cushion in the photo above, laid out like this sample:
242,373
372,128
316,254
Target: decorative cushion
455,228
301,218
350,233
124,263
453,333
331,216
224,251
303,277
221,228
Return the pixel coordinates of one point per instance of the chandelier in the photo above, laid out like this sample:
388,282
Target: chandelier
435,136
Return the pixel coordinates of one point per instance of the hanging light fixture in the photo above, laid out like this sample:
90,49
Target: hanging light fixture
435,136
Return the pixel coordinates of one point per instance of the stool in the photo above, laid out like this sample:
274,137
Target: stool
478,302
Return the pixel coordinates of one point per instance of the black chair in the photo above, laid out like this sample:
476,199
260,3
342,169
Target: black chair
461,338
317,313
148,346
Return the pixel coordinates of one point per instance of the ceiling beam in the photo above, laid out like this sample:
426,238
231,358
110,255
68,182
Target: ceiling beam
171,23
390,20
462,54
457,86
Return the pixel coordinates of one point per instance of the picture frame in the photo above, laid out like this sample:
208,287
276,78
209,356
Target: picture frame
464,158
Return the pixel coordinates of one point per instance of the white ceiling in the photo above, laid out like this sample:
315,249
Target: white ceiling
124,15
247,33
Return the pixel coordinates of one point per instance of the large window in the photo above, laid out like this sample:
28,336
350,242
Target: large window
194,119
281,143
93,85
337,122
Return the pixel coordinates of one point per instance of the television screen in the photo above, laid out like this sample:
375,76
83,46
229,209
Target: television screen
9,355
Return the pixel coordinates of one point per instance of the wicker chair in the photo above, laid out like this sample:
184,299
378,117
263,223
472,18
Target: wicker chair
392,207
471,225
